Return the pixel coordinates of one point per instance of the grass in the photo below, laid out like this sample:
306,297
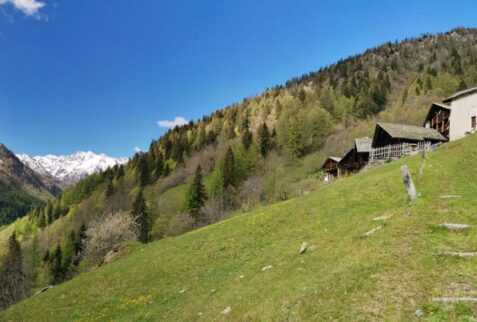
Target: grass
341,277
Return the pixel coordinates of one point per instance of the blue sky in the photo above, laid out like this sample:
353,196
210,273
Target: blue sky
99,75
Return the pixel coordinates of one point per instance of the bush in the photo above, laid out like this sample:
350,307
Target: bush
107,233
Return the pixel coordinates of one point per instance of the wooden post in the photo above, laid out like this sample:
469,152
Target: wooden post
407,180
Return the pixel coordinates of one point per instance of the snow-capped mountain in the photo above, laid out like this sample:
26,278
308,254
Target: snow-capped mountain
69,169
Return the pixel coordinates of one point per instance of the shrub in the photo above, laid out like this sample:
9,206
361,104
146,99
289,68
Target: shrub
107,232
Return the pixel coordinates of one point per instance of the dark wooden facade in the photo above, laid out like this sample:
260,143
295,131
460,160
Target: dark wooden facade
438,118
357,157
331,168
389,134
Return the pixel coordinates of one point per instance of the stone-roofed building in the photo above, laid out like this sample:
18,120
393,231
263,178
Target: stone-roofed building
389,133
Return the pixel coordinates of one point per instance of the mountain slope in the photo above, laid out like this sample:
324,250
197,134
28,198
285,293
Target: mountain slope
69,169
308,118
342,276
20,187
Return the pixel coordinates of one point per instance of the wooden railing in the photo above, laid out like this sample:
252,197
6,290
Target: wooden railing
397,151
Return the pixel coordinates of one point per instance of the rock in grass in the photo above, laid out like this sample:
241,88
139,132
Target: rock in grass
266,268
183,290
303,247
463,254
381,218
452,226
454,299
419,313
450,196
227,310
408,183
372,231
44,289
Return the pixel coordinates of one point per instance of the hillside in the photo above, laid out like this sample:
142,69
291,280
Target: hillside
342,276
272,146
20,187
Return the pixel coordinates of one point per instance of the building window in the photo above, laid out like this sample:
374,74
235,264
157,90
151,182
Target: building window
474,122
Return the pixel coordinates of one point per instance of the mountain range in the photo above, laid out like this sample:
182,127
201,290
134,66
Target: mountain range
69,169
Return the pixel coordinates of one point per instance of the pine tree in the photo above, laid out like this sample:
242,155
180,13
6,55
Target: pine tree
159,164
143,171
12,277
228,169
109,189
197,194
247,136
167,170
56,268
139,212
120,172
264,137
79,245
46,257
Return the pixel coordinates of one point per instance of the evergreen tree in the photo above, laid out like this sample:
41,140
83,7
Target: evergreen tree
247,136
79,245
12,277
109,189
228,169
197,195
120,172
167,170
41,218
46,257
264,137
159,165
143,171
428,83
56,268
139,212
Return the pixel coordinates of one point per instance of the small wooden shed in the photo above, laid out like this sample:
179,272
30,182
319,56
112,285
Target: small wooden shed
358,156
331,168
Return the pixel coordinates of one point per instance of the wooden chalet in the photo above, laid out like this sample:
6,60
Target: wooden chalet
389,134
438,118
331,168
358,156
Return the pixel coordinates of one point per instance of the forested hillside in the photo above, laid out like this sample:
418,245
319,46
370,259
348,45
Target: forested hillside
21,188
250,268
267,148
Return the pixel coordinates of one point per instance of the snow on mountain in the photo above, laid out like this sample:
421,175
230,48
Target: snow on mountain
69,169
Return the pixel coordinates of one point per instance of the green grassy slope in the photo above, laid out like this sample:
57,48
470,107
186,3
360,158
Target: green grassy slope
342,276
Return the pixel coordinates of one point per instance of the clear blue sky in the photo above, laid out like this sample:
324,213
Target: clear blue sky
99,75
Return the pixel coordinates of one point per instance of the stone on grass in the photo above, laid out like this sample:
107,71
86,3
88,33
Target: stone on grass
450,196
408,183
266,268
303,247
372,231
380,218
44,289
419,313
183,290
454,299
227,310
463,254
453,226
